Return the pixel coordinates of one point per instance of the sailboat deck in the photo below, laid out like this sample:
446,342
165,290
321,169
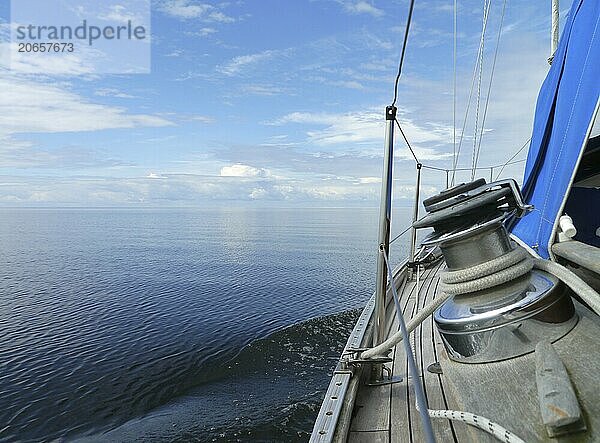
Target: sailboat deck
385,413
504,391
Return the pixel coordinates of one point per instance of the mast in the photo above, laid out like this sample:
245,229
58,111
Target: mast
554,30
384,226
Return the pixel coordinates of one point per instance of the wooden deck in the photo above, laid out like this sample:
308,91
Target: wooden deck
504,392
387,413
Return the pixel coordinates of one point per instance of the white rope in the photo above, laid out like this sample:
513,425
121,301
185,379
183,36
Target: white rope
478,421
511,272
486,268
555,27
396,338
573,281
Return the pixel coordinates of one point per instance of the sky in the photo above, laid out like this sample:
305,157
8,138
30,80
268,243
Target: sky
272,103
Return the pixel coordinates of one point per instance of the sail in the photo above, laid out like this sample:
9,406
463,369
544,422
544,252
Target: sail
565,108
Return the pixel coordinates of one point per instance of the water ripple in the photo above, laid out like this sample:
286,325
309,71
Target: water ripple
109,316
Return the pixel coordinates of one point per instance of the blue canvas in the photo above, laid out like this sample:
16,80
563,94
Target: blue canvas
565,107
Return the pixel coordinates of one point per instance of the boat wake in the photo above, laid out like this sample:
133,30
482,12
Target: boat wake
270,391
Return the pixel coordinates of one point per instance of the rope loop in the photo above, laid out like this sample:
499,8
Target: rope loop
487,268
497,271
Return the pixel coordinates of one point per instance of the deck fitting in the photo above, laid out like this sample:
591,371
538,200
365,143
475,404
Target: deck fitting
390,380
435,368
559,407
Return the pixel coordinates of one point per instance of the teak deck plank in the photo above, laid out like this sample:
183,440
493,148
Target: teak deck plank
391,408
462,431
369,437
425,355
371,409
399,413
402,430
372,406
434,393
415,342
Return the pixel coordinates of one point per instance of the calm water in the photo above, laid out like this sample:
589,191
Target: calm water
206,325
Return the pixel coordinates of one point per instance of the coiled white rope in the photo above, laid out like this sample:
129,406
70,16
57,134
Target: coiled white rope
492,273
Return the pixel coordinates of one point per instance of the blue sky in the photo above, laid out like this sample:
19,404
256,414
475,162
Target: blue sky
269,102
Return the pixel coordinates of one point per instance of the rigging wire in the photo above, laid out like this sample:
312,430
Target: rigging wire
454,56
487,100
435,168
513,156
407,142
486,11
462,133
408,20
401,234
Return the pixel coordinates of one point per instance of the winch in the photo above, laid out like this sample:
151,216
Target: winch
500,307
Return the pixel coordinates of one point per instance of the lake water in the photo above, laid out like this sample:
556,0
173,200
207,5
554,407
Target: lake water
177,325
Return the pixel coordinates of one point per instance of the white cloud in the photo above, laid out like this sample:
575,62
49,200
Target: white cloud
265,90
258,193
25,155
120,14
350,84
206,31
189,189
360,7
111,92
202,119
187,9
240,170
203,32
154,175
239,63
220,17
65,64
362,127
30,106
369,180
175,53
34,106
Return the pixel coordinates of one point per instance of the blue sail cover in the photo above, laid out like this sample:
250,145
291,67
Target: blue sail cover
565,107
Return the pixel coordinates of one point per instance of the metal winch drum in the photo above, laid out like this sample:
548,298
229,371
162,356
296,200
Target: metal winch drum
509,318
